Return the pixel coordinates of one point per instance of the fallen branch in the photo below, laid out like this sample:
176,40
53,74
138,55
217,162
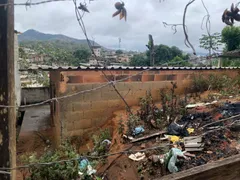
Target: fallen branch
222,120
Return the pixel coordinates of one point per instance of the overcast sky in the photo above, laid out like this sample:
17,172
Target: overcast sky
144,17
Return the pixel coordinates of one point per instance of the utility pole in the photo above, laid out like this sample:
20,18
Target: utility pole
150,46
119,43
7,90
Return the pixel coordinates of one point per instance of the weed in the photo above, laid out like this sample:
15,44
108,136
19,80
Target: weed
132,122
121,127
199,84
99,147
169,101
146,106
57,171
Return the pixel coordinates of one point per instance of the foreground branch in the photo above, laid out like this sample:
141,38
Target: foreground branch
187,42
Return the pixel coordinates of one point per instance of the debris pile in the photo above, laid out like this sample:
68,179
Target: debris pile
207,132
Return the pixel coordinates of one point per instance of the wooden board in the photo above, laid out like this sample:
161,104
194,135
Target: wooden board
148,136
225,169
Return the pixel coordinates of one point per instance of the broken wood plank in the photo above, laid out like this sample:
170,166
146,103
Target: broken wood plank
148,136
228,168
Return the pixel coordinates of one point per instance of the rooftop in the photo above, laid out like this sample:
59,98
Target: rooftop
72,68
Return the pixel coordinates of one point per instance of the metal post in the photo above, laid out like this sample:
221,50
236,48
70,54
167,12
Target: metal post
7,89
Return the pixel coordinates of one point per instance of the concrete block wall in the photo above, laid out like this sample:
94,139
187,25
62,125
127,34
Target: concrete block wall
34,95
86,112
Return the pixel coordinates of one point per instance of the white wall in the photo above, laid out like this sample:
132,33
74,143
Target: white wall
16,73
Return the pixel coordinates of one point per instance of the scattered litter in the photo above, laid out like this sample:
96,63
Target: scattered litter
148,136
90,170
193,143
85,166
138,130
157,158
188,154
107,142
128,137
190,106
190,130
174,139
209,152
176,129
137,157
171,159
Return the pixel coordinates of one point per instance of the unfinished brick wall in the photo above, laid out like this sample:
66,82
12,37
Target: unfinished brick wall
34,95
85,112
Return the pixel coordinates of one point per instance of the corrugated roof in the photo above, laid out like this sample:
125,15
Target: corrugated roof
70,68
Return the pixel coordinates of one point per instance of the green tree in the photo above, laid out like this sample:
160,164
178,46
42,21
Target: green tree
81,56
231,37
176,51
162,54
178,61
119,51
139,60
210,43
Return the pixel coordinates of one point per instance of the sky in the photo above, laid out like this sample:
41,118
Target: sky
144,17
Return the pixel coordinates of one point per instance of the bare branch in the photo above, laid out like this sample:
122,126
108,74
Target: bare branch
184,27
173,26
29,3
82,25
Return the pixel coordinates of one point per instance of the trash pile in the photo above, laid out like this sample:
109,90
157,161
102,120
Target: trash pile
194,139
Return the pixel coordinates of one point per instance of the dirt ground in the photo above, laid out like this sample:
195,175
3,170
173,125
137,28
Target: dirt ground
32,142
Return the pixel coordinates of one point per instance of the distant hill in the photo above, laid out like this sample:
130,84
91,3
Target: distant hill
36,36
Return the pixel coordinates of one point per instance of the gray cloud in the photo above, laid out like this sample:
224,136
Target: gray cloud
144,17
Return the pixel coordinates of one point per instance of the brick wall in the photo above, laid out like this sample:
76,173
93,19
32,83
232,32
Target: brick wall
86,112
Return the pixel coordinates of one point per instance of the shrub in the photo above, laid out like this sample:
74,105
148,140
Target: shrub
55,171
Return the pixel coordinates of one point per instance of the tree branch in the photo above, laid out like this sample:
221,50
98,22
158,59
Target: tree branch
187,42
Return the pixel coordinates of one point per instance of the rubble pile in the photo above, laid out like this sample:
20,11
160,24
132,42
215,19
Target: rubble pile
207,133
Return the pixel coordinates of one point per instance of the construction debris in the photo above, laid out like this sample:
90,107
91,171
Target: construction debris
148,136
193,143
137,157
189,106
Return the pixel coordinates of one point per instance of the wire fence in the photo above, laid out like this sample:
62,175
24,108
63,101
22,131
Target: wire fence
126,151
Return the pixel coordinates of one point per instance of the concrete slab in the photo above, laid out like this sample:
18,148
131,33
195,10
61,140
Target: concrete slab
36,119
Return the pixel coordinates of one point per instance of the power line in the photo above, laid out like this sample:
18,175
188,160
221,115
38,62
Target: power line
82,25
77,93
32,3
126,151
